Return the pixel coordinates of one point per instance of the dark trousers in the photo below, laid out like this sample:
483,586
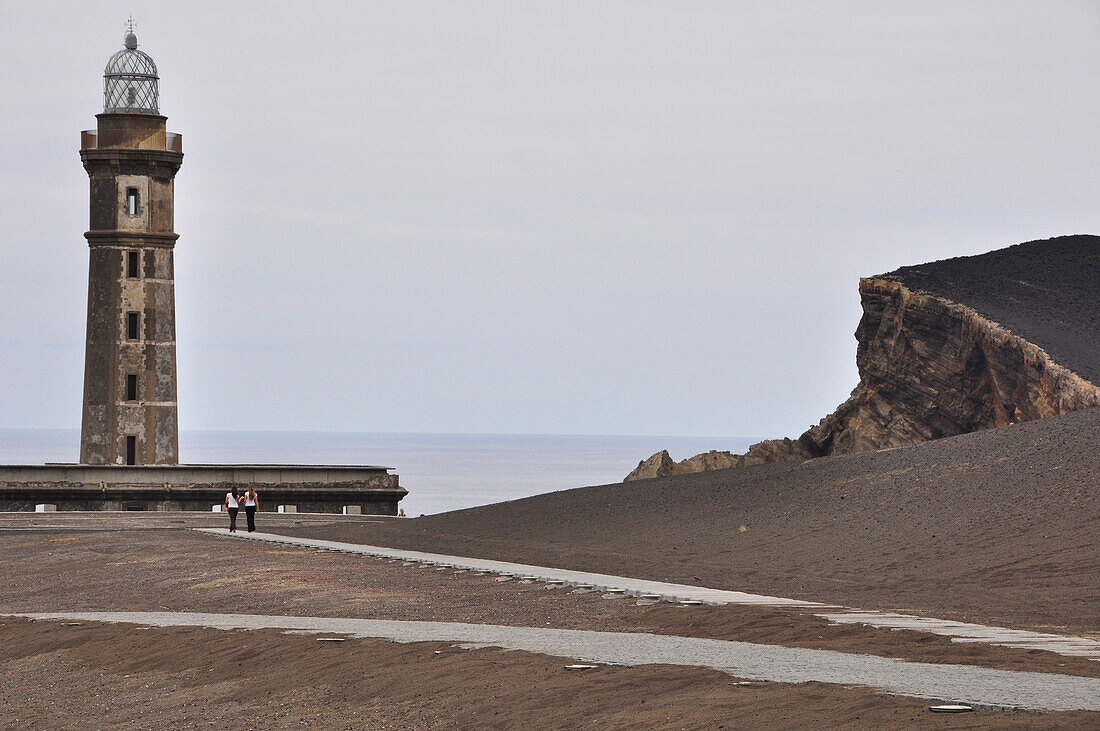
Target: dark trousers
250,512
232,519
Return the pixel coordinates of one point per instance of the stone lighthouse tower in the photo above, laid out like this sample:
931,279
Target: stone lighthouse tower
130,357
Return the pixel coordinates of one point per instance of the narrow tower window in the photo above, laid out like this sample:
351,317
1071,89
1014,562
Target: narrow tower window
131,387
131,450
132,201
132,323
133,264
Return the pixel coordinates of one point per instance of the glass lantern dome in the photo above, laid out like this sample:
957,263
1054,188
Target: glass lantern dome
130,81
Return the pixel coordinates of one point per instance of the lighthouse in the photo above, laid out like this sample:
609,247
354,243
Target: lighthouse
129,436
130,412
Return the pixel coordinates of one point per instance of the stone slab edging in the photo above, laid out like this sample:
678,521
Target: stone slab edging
978,686
965,632
961,632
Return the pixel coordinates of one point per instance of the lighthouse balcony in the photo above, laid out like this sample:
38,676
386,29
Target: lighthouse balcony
173,141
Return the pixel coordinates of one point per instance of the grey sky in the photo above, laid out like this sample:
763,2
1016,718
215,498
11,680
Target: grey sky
613,217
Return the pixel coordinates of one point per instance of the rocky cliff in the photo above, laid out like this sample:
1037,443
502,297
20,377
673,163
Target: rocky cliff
932,367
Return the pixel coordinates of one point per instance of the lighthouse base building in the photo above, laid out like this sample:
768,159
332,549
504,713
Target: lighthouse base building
129,441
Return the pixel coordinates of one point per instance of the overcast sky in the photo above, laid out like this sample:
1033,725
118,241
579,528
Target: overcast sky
552,217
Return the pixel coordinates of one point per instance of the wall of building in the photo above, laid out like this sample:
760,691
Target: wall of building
310,489
129,151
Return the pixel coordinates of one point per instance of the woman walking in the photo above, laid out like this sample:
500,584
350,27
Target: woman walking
251,502
232,504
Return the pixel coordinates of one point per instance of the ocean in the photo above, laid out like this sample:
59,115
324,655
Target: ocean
442,472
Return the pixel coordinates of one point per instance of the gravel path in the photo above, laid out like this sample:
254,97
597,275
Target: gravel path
664,591
660,590
955,683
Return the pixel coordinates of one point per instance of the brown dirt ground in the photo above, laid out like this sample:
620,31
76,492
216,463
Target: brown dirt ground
102,676
186,571
192,677
998,527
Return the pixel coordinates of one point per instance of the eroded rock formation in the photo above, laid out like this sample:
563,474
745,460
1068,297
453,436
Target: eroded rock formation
929,368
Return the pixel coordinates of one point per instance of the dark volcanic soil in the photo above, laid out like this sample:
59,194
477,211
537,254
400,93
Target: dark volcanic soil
1047,292
1000,526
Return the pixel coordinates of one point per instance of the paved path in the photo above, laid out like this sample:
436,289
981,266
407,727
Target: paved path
957,631
955,683
604,582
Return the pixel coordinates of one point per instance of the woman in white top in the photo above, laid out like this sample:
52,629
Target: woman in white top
232,505
251,502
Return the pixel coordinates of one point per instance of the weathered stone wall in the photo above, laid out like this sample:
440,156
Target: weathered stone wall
15,497
129,151
198,487
929,368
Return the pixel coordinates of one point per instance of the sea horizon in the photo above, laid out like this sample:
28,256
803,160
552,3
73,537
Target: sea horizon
441,471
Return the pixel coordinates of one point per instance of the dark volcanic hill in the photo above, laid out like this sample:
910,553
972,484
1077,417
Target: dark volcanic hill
998,526
953,347
1047,292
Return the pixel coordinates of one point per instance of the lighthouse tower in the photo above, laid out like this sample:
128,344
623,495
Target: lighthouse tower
130,414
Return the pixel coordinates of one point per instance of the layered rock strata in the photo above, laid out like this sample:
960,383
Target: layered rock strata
929,368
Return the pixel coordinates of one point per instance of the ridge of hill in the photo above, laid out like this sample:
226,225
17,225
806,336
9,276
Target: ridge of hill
1045,291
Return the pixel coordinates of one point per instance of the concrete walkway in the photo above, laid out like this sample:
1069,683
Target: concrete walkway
603,582
955,683
957,631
